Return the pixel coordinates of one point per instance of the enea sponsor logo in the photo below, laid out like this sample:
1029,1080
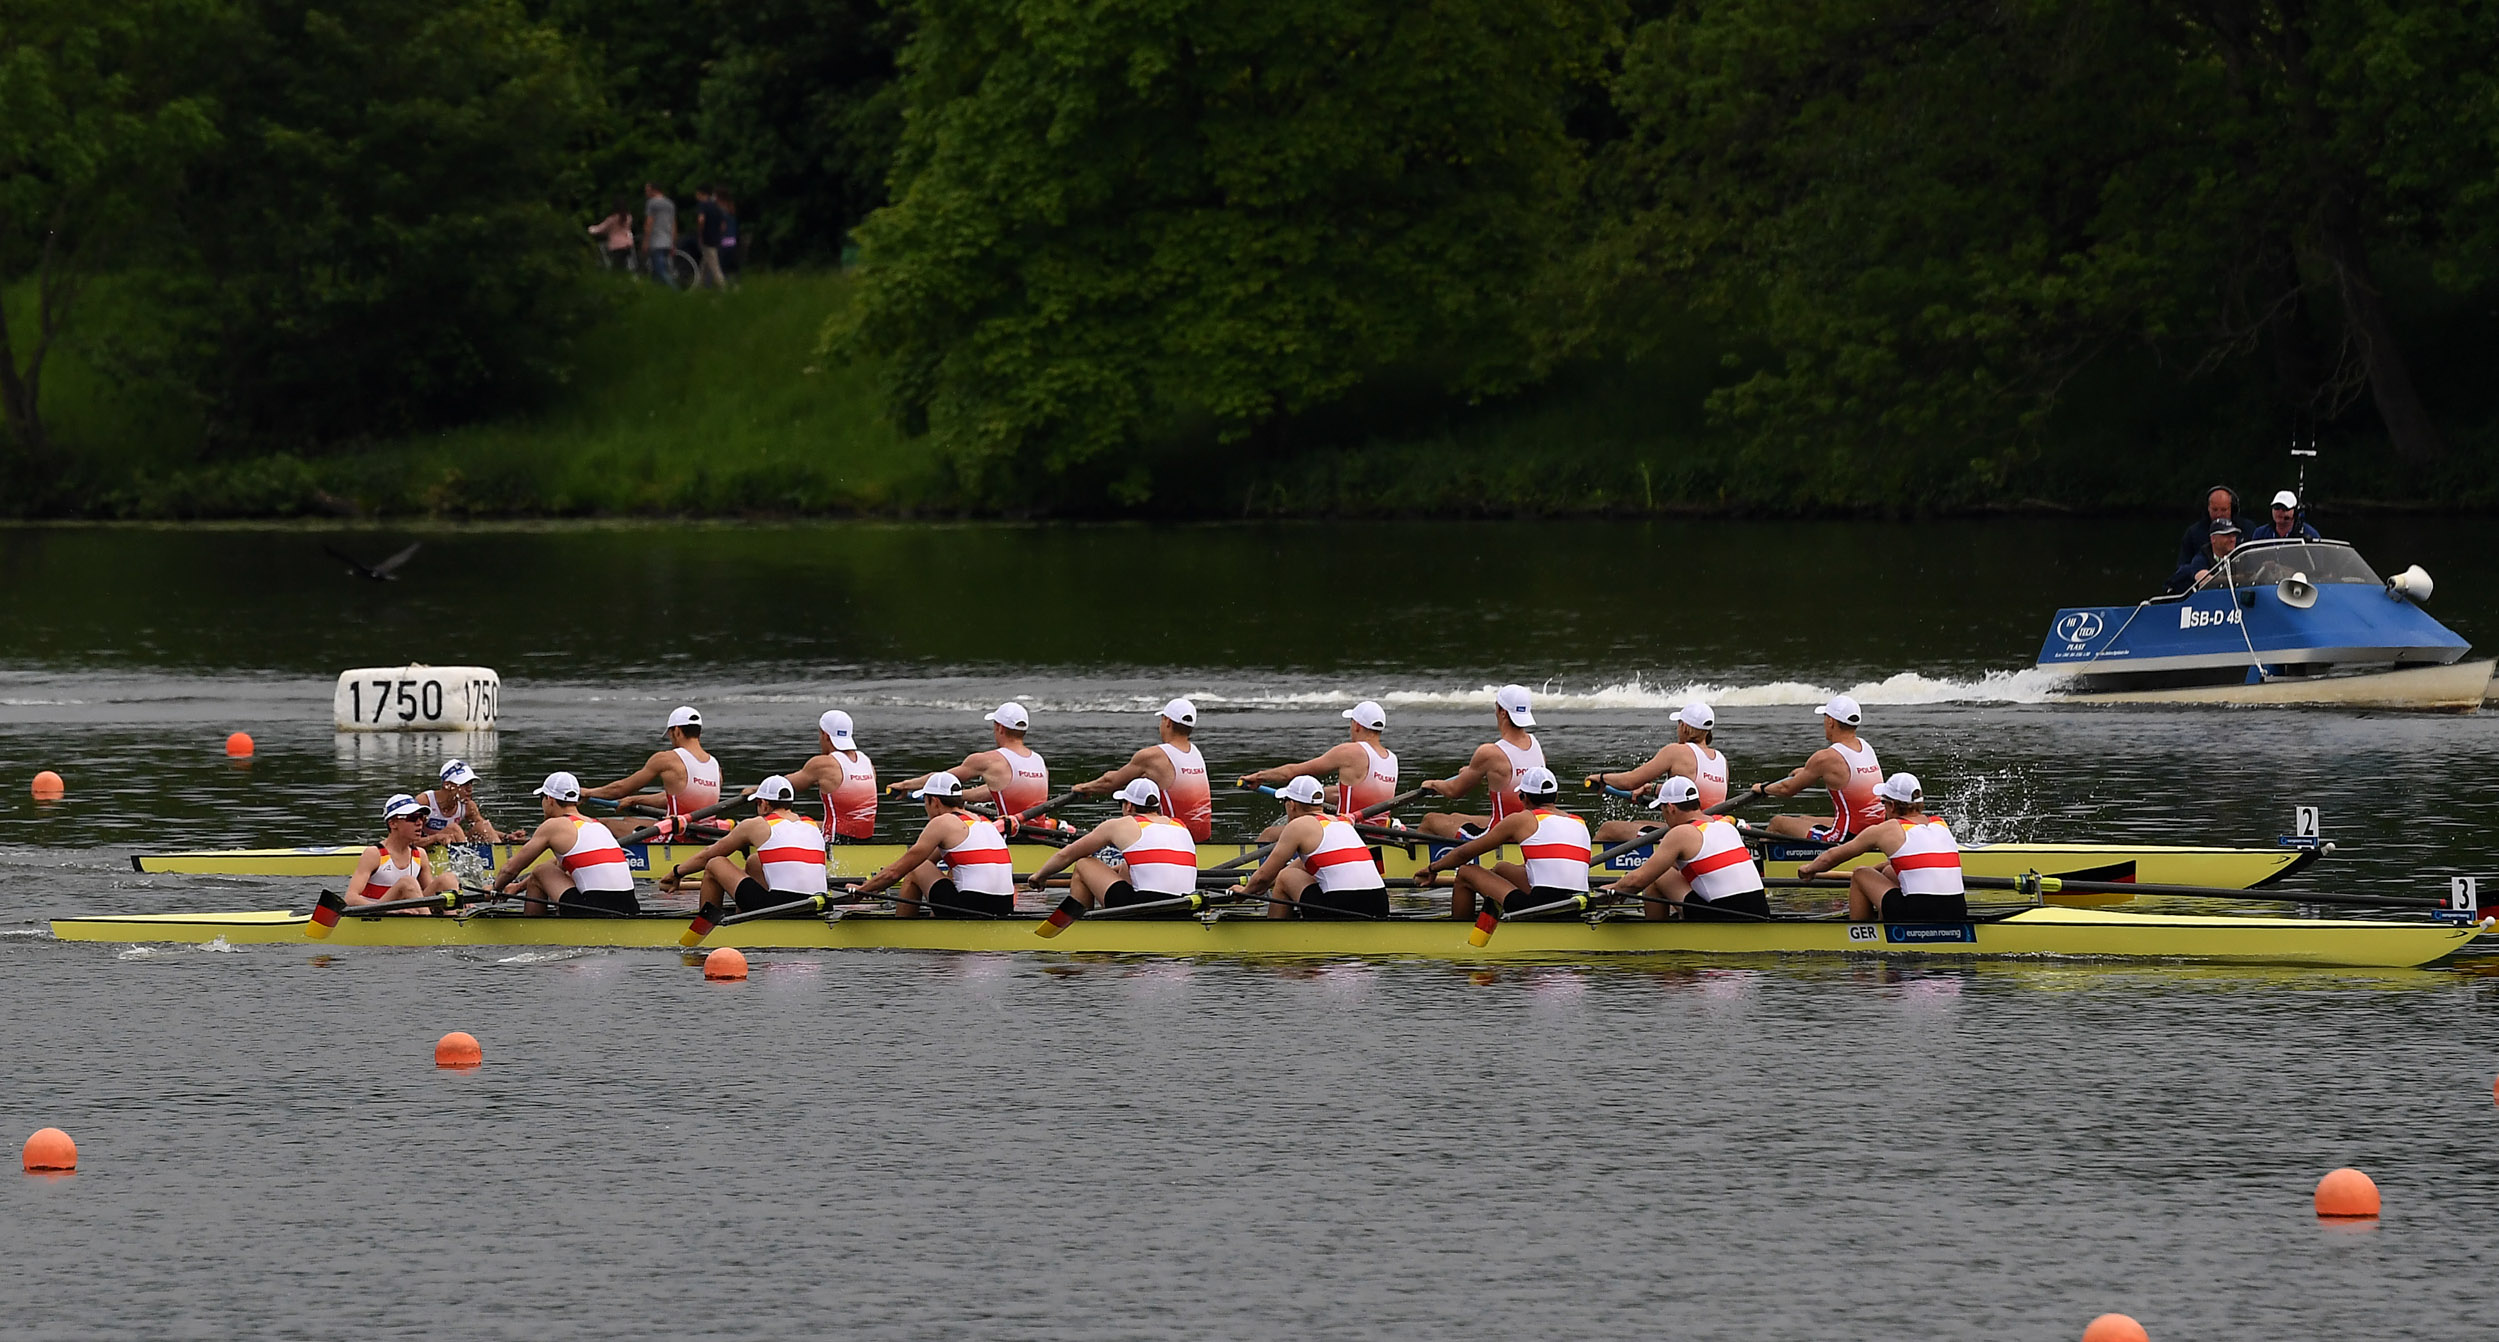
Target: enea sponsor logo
2191,618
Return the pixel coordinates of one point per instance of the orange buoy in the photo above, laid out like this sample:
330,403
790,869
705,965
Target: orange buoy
2115,1328
50,1149
48,786
2347,1192
725,962
239,746
458,1049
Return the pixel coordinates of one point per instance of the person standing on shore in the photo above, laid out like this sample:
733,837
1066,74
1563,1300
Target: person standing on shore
729,257
615,235
707,236
659,233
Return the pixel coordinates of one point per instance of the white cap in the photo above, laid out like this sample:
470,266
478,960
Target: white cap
1140,792
1843,709
1368,713
1011,715
457,773
685,716
401,804
939,785
1513,702
1182,712
776,789
1698,716
836,724
1303,789
1902,788
1677,790
1536,781
2286,499
561,786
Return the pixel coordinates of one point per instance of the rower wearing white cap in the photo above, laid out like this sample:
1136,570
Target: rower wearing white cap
788,855
1319,866
841,774
1154,857
591,869
1699,865
1010,773
958,866
1365,769
451,811
1845,768
396,868
1921,880
1176,768
1554,851
688,777
1691,756
1496,764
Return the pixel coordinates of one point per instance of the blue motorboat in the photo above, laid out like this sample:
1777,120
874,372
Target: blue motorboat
2277,621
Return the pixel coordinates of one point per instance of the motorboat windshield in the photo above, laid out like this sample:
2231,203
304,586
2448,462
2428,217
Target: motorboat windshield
2264,563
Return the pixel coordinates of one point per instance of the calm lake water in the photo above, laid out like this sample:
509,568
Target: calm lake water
927,1146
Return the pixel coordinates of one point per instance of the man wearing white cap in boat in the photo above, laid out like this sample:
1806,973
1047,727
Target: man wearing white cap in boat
788,855
591,872
451,811
958,867
841,774
1699,866
396,868
1152,856
1846,768
1365,769
2285,522
1010,773
1921,880
1319,867
1176,768
1691,756
688,778
1496,764
1554,853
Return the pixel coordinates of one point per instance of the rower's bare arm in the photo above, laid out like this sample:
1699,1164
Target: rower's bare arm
650,772
1297,838
1509,831
1814,772
1831,857
1335,759
920,852
539,843
1464,780
1098,839
1658,767
1118,778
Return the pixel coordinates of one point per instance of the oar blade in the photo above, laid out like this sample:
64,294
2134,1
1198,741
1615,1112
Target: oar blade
1069,910
1481,934
705,919
325,914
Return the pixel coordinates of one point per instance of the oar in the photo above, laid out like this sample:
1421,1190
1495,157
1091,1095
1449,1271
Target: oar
2034,884
1259,854
327,910
643,835
711,916
1070,910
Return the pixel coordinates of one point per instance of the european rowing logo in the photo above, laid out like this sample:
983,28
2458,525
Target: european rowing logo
2191,618
2080,627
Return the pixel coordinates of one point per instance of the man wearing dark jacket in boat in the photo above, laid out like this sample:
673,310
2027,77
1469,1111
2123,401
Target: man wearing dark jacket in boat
2223,537
2221,504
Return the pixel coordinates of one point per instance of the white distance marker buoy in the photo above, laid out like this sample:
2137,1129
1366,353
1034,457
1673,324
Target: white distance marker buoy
416,698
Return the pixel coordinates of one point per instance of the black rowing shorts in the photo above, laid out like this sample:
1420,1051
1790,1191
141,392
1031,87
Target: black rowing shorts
964,904
1707,910
1122,894
1319,904
1901,907
580,903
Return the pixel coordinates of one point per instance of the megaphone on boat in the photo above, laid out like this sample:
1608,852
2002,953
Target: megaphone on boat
2412,583
2296,591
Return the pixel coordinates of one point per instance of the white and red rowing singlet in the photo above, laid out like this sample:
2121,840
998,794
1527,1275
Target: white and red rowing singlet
596,861
1710,770
1558,852
702,785
1190,799
1929,860
792,855
1028,782
1505,799
1342,861
391,872
981,864
1377,781
1854,808
850,805
436,818
1163,860
1724,866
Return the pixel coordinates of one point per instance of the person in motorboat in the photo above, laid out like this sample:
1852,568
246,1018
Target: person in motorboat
1496,764
591,871
1845,768
2222,537
1176,768
1365,768
2221,504
1319,863
788,854
396,867
1151,856
1554,851
843,777
1011,773
1702,864
1920,880
451,810
688,778
959,866
1691,756
2286,522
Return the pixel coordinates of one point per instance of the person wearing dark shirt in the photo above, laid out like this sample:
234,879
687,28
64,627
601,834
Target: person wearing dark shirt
707,235
2221,536
2221,504
2286,521
728,235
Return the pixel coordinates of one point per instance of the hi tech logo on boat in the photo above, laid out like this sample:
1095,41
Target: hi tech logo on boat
2197,619
2080,627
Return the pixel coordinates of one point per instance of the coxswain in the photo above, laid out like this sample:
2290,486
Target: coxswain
1700,865
688,778
1846,768
788,855
1496,764
1320,867
451,810
1554,849
841,774
1691,756
1011,774
591,871
1366,770
396,867
958,866
1156,858
1920,879
1176,767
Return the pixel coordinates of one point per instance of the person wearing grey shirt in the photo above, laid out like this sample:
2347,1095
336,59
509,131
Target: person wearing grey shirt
659,232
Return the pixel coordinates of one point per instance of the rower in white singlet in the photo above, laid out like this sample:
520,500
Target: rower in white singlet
451,811
1319,867
396,868
1495,764
1920,879
787,865
1365,769
1154,858
1554,852
688,779
1845,768
959,867
842,775
1690,756
592,873
1010,774
1701,869
1175,766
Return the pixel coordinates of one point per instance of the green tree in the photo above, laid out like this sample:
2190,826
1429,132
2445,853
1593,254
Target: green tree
800,114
